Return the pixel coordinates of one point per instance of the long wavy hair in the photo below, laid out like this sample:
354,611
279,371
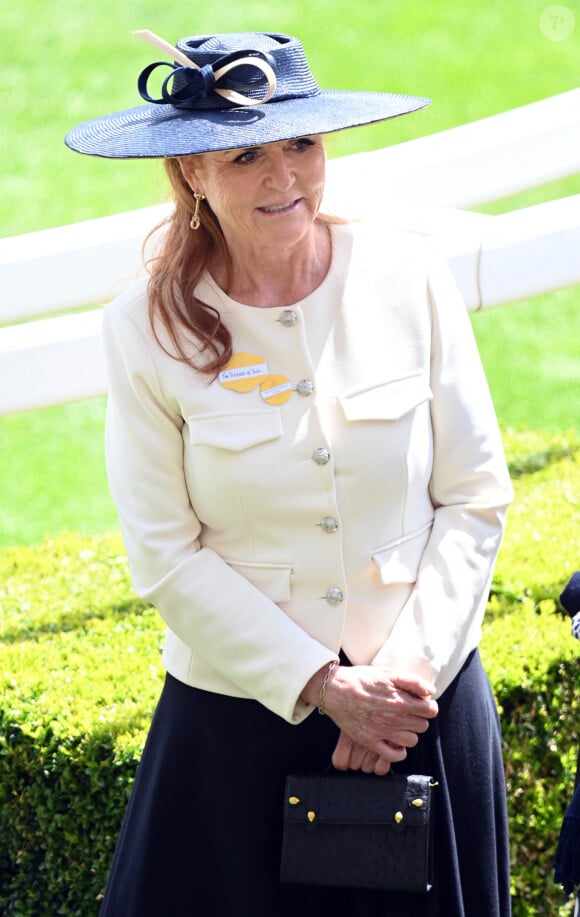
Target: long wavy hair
180,259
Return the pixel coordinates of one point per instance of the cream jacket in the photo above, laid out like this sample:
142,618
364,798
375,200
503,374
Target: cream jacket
365,512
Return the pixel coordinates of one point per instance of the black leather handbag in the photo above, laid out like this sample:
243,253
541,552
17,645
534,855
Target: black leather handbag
358,831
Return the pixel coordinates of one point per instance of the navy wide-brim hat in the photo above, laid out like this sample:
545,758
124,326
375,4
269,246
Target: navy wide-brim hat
231,91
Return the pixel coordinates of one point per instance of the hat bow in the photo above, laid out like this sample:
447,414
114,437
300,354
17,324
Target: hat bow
226,79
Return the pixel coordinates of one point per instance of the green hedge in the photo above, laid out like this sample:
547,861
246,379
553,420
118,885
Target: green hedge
80,672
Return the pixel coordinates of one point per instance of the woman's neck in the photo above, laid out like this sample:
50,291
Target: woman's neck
275,276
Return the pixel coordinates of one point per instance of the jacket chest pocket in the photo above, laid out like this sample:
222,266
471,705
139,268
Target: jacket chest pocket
235,432
388,401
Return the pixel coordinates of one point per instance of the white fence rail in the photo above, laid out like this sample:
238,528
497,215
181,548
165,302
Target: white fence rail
417,185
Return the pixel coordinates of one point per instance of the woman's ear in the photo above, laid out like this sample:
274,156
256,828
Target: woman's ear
189,166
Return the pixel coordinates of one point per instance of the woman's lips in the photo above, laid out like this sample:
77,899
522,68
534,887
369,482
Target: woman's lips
280,208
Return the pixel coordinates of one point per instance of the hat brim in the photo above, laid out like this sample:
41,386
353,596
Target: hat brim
160,131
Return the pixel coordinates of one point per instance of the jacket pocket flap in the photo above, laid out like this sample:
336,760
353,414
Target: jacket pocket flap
235,432
271,579
388,401
398,561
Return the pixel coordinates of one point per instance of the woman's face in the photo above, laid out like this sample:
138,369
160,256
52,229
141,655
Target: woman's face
262,196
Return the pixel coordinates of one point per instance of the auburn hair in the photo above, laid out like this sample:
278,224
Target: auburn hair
181,258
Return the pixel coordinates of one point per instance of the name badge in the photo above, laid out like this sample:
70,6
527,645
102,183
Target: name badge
276,389
243,372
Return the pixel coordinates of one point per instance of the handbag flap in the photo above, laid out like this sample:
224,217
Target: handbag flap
396,800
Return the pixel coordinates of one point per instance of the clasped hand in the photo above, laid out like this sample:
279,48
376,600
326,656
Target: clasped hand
380,713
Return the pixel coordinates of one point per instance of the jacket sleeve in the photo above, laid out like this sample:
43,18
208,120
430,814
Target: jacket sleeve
470,489
227,622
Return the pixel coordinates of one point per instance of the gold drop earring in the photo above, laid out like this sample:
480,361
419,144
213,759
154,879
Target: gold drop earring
195,221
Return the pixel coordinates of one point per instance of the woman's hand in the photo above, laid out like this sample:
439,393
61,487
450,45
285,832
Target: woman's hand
380,713
349,755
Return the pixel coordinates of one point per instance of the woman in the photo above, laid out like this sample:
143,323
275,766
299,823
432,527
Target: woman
311,488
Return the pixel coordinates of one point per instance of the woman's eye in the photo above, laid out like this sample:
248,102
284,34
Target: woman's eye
303,143
247,156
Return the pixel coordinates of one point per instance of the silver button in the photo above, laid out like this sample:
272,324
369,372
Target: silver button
321,456
334,595
328,524
288,318
305,387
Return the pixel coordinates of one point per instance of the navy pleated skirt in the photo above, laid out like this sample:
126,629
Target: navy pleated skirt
202,832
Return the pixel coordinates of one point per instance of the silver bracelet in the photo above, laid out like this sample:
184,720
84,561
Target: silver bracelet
323,686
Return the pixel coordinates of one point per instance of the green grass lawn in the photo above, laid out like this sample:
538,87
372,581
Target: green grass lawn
52,476
63,64
531,354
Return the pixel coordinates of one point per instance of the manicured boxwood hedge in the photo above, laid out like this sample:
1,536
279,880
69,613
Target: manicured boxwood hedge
80,672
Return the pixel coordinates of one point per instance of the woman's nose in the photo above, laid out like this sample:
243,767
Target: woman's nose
280,175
